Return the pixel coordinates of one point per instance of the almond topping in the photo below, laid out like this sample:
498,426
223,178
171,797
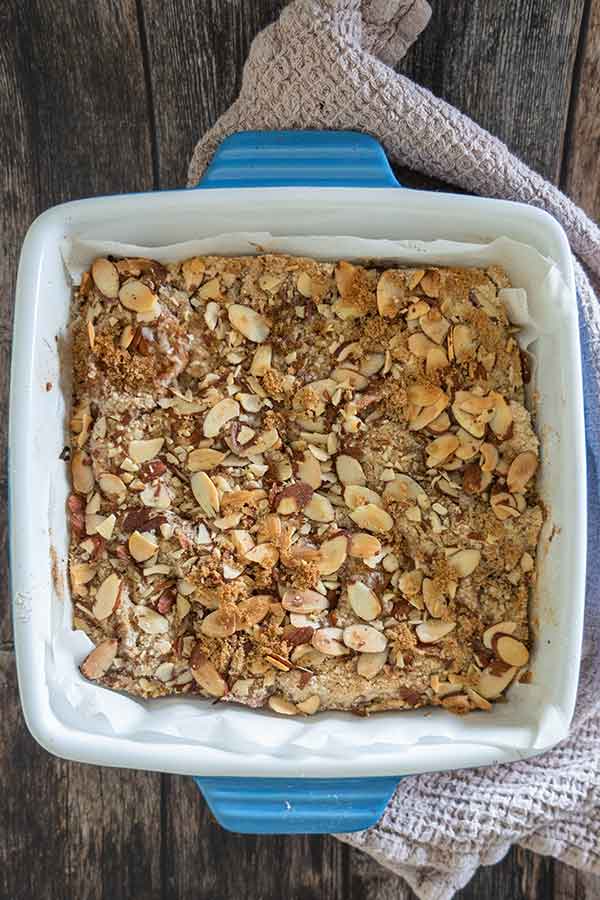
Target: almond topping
431,632
364,602
304,602
330,641
435,601
333,554
282,706
370,664
105,528
364,638
309,470
373,518
521,471
500,628
106,277
511,651
81,573
355,496
248,322
106,597
221,413
220,623
261,363
465,562
403,487
266,555
436,359
304,284
491,686
112,486
502,418
204,459
489,457
142,451
205,493
420,345
310,706
206,675
99,660
363,545
462,343
137,296
349,470
391,293
435,326
142,546
193,271
423,417
82,472
150,621
424,394
350,378
253,610
319,509
440,449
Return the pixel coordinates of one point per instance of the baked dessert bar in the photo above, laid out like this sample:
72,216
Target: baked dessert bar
306,485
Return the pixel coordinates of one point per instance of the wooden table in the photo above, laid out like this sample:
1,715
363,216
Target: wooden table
105,96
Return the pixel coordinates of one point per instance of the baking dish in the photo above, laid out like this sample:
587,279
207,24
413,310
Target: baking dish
278,182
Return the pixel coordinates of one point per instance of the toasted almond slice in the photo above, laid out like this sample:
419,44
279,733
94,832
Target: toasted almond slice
500,628
142,451
310,706
192,270
491,686
370,664
309,470
205,493
427,414
81,573
126,337
432,631
363,545
242,541
107,596
440,424
329,641
436,359
304,284
150,621
105,528
333,554
431,283
282,706
304,601
364,638
403,487
156,496
489,457
462,343
82,472
475,425
511,651
441,448
206,675
391,293
220,623
464,562
265,555
349,470
504,506
248,322
424,394
142,546
253,609
112,486
355,496
261,362
350,378
363,601
502,418
137,296
435,326
521,471
221,413
164,672
270,282
99,661
372,363
204,459
106,277
211,290
372,518
410,582
319,509
420,345
433,596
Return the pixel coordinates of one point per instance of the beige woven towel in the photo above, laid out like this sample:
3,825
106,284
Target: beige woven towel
325,64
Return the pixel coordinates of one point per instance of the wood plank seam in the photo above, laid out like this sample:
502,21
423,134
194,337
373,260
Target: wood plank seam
574,93
145,58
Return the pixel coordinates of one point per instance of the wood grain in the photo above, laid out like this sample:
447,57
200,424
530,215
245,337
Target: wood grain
581,164
508,66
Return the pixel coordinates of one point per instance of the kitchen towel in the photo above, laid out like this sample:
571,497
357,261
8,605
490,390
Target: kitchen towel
327,64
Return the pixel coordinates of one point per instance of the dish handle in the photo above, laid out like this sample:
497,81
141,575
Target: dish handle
297,805
299,159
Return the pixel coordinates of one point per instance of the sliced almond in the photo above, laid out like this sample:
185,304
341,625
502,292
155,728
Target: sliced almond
511,651
142,546
220,623
420,345
434,599
431,283
99,660
436,359
106,597
106,277
424,394
330,641
137,296
391,293
332,554
242,541
253,610
441,448
435,326
462,343
164,672
282,706
372,518
363,601
363,545
142,451
464,562
310,706
355,496
319,509
370,664
349,470
304,602
500,628
81,573
364,638
211,290
261,362
309,470
205,493
271,283
502,418
404,488
477,700
304,284
82,472
248,322
504,506
489,457
491,686
221,413
427,414
521,471
106,527
350,378
193,272
265,555
204,459
432,631
112,486
150,621
372,363
206,675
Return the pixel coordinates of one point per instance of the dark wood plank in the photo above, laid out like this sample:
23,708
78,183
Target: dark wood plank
204,862
68,830
196,73
73,121
570,884
508,66
581,164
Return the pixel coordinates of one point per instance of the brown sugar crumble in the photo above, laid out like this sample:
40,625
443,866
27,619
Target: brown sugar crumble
302,485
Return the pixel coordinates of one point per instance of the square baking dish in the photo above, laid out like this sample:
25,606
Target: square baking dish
281,183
